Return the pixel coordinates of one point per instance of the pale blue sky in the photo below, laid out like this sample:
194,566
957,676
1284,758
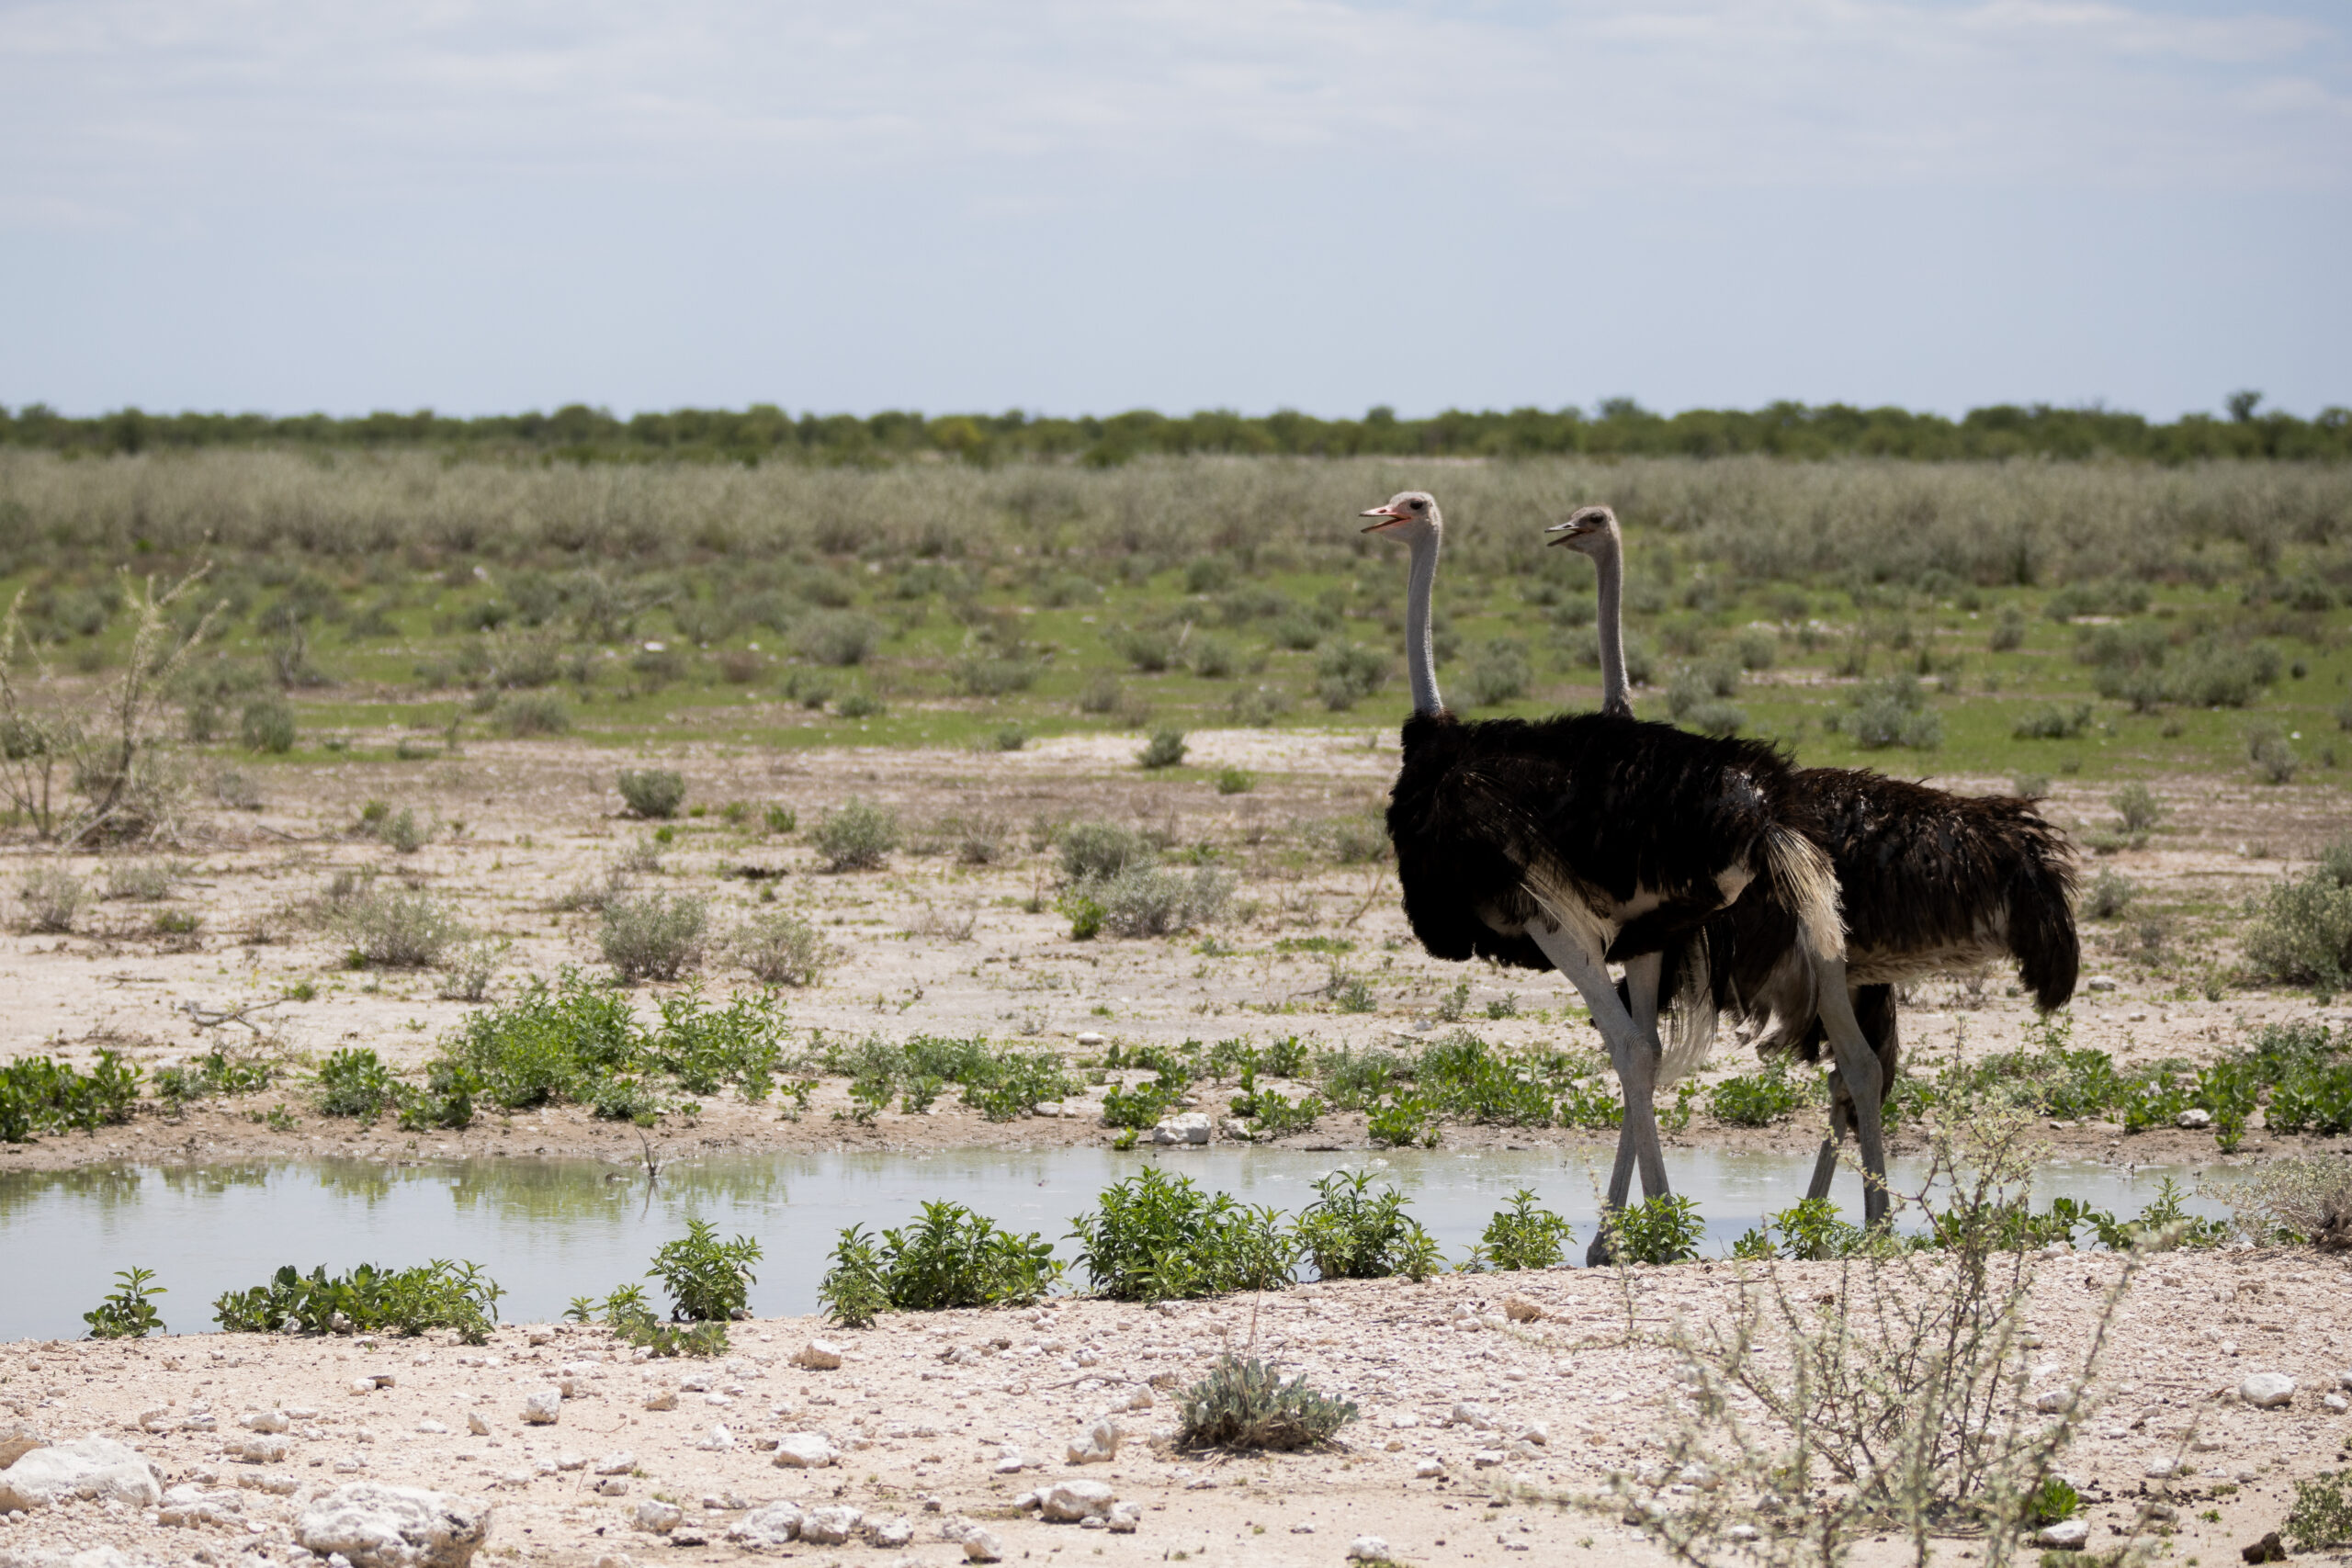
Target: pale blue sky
1083,206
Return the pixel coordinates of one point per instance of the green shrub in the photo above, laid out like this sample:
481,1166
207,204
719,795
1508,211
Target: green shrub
52,899
2322,1515
1215,659
949,1257
1347,674
627,1313
2302,930
652,792
267,726
1165,750
2050,722
838,638
1245,1405
215,1072
1403,1123
354,1082
548,1044
1158,1237
1499,675
143,881
706,1048
979,675
1464,1076
1236,781
1891,711
1665,1229
2137,808
2273,758
856,835
1143,901
1015,1082
1273,1114
1092,852
1759,1100
129,1313
521,715
2110,894
38,1095
652,936
1141,1106
396,930
780,819
1351,1233
707,1280
781,948
1522,1236
439,1294
1810,1229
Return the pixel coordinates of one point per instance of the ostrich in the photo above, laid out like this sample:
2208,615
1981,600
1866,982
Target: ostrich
1929,882
1568,841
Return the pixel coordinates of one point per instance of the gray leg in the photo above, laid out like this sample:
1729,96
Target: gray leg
1858,1065
1634,1056
1825,1169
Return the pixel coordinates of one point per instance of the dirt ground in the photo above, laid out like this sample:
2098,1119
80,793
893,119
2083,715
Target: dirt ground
930,945
926,1409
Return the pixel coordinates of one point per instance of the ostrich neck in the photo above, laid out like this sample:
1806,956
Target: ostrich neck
1610,562
1421,658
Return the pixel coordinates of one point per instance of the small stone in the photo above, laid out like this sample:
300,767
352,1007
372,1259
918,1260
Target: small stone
831,1524
542,1405
1368,1549
619,1463
2193,1118
819,1355
264,1421
718,1439
1141,1399
1428,1469
87,1467
1486,1459
1100,1446
2066,1535
2270,1549
803,1451
891,1533
613,1486
1066,1502
2336,1403
2099,983
2053,1401
776,1524
371,1526
2267,1391
1125,1516
1742,1532
1520,1309
982,1546
1476,1416
2169,1468
1191,1127
432,1428
1536,1432
1011,1463
662,1399
657,1517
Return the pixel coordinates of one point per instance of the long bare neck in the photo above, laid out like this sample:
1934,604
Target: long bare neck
1610,559
1421,656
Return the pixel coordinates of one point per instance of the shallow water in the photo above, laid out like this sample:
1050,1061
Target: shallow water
551,1230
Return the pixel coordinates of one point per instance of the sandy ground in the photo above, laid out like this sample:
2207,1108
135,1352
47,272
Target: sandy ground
923,1436
930,945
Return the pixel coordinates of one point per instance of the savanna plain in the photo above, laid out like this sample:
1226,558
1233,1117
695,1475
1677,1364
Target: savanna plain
427,812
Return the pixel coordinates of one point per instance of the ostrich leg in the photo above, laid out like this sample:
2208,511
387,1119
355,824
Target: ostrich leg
1633,1051
1858,1066
1841,1108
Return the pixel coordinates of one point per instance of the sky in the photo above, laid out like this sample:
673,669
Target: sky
1086,205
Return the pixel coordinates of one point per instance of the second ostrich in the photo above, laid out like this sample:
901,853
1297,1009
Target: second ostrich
1570,842
1929,882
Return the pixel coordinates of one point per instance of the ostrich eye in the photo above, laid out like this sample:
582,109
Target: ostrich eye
1419,505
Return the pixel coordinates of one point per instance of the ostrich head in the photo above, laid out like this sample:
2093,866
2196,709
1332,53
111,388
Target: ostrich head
1589,531
1410,514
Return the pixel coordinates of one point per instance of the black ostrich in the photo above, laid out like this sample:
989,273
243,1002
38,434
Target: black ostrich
1929,882
1569,841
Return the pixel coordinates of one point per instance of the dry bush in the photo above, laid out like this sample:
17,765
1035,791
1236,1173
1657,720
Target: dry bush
781,948
2300,1198
1887,1398
51,898
393,931
652,937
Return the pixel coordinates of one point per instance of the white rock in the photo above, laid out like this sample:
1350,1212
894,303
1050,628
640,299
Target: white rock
718,1439
2336,1403
1191,1127
2343,1380
831,1524
1428,1469
394,1526
1125,1516
1536,1432
1100,1446
2169,1468
542,1405
18,1438
476,1425
2267,1391
2099,983
1141,1398
662,1399
2052,1400
656,1517
262,1450
1011,1461
1066,1502
1486,1459
2066,1535
776,1524
2193,1118
1089,1037
982,1546
1520,1309
803,1451
1742,1532
1368,1549
1476,1416
264,1421
819,1355
570,1460
87,1467
613,1486
619,1463
891,1533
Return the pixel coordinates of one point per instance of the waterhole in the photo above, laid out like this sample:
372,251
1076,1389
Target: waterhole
551,1230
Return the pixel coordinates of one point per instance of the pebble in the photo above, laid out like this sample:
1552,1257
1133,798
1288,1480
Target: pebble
776,1524
803,1451
542,1405
830,1526
819,1355
619,1463
476,1425
2267,1391
1428,1469
2336,1403
1368,1549
982,1546
657,1517
891,1533
1066,1502
2066,1535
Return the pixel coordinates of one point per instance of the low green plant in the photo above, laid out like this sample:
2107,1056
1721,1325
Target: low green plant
439,1294
548,1044
1235,781
1139,1107
1404,1121
2054,1500
781,948
1757,1099
628,1315
2300,933
267,726
395,930
1245,1405
1015,1083
1522,1236
780,819
38,1095
355,1082
1165,750
856,836
949,1256
1156,1238
708,1280
1352,1232
653,936
654,793
1664,1229
1809,1229
2321,1514
129,1313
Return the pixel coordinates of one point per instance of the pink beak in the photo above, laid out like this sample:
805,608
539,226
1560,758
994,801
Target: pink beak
1387,513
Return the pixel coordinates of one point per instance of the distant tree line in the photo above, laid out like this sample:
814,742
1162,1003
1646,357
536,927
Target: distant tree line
1618,426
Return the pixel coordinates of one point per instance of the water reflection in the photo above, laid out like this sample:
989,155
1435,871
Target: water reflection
549,1229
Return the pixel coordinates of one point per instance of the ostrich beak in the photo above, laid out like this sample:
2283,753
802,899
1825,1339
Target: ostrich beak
1387,514
1567,531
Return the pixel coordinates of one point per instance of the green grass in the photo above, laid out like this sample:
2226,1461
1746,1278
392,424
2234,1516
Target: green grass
1734,562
